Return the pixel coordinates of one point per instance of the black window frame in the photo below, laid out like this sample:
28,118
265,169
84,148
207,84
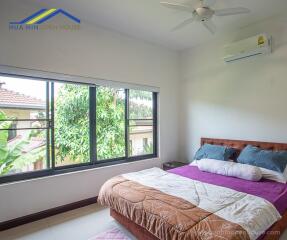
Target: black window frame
92,163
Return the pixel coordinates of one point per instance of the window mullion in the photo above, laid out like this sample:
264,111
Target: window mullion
53,126
92,123
127,123
48,155
155,116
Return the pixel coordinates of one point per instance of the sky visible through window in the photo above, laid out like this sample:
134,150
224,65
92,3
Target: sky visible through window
32,88
36,91
24,87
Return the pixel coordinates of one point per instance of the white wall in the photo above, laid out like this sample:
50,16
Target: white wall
97,53
243,100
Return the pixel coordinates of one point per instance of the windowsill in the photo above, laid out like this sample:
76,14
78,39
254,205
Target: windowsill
44,174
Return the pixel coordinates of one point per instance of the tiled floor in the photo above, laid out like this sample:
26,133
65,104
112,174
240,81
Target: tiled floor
80,224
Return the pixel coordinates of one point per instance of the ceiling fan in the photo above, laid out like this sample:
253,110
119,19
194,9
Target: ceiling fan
202,12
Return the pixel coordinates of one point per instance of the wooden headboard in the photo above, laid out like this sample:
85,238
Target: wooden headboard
240,144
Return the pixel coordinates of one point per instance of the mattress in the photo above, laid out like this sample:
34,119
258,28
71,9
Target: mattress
186,203
274,192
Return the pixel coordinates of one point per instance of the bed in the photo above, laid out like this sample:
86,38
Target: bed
185,203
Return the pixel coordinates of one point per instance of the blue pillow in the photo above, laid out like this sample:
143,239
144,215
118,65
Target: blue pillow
214,152
272,160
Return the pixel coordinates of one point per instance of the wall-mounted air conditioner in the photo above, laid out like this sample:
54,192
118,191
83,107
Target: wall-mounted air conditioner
247,48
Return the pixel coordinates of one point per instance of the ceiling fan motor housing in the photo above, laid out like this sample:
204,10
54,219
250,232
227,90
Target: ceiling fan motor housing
204,13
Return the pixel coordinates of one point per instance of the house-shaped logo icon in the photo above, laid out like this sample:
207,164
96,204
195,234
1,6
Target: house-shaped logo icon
44,15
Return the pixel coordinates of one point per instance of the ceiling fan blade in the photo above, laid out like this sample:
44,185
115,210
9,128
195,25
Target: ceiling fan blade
231,11
210,26
183,24
177,6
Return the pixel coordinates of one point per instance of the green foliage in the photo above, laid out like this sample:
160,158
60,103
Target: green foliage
143,95
140,111
5,161
37,154
110,123
140,104
8,154
72,123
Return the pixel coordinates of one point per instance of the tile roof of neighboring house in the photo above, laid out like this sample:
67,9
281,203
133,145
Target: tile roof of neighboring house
11,99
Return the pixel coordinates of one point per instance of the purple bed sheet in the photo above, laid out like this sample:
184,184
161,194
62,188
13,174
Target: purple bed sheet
274,192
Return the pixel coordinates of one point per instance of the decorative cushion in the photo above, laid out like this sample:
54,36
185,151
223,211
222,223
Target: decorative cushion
272,160
231,169
214,152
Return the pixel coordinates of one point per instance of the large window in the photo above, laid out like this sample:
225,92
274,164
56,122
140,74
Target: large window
51,127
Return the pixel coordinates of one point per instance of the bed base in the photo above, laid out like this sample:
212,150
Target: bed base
274,233
139,232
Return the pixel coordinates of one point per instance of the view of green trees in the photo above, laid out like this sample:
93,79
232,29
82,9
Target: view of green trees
138,107
11,156
72,136
110,120
72,123
7,154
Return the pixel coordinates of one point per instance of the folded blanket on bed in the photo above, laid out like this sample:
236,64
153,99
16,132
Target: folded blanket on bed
174,207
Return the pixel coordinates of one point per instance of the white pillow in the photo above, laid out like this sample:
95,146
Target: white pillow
274,176
194,163
231,169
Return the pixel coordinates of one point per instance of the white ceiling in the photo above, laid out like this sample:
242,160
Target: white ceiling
148,20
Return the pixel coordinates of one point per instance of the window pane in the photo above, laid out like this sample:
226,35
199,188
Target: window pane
22,98
71,124
25,152
110,120
140,105
22,149
140,140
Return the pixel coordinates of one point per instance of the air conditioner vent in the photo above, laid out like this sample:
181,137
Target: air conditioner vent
247,48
